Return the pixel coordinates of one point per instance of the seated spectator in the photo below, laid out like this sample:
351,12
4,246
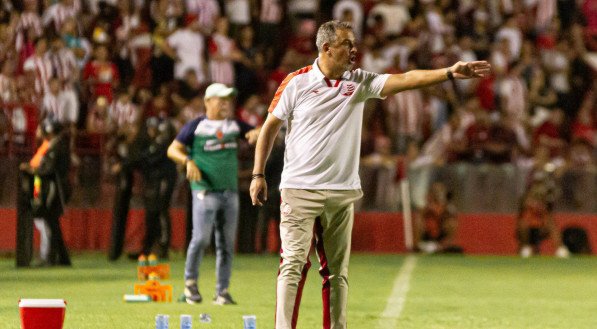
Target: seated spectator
535,221
436,224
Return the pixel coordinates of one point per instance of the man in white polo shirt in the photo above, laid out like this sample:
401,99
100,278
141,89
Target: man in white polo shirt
323,106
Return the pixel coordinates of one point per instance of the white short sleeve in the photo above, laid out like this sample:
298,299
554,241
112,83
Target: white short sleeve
371,83
283,101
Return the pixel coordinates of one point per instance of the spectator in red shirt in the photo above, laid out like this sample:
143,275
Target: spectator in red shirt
101,74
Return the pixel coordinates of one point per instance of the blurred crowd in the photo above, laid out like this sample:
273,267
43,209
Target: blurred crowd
102,68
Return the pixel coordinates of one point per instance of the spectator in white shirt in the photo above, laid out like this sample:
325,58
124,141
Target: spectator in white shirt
186,46
395,15
352,12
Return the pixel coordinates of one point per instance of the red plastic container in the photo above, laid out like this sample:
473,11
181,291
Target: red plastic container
42,313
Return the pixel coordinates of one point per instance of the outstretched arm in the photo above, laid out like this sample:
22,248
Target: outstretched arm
423,78
263,148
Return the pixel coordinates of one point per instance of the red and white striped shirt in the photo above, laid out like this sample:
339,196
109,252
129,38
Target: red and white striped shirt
50,107
221,70
405,110
123,114
64,64
544,12
207,11
30,20
27,21
42,68
513,95
59,13
271,12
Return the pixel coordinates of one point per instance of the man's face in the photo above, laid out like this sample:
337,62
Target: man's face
220,106
344,50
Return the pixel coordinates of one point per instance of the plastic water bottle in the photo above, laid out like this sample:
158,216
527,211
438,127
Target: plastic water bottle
186,321
249,322
162,321
152,260
142,260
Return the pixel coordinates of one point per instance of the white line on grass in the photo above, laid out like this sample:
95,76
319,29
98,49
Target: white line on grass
395,303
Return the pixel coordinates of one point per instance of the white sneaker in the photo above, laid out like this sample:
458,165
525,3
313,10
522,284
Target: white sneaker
428,247
562,252
526,251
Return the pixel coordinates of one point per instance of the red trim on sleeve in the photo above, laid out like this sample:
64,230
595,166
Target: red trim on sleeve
283,85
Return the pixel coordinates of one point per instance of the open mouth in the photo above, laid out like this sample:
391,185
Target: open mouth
353,59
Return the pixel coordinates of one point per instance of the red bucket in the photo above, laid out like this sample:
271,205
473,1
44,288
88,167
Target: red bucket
42,313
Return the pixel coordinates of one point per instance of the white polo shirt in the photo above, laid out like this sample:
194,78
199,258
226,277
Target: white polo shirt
324,117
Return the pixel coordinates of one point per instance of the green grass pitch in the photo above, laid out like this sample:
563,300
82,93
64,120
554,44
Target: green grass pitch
444,292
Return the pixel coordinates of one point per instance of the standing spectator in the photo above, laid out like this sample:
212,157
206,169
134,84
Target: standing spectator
394,14
29,20
64,63
511,32
186,46
159,177
39,68
56,14
222,53
512,93
374,60
101,75
210,143
406,116
124,148
44,192
206,12
247,78
270,28
126,22
350,11
66,70
320,183
78,44
239,14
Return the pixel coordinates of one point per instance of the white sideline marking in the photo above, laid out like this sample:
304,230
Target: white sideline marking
395,303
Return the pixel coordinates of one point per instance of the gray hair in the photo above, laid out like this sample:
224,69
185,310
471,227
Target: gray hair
327,32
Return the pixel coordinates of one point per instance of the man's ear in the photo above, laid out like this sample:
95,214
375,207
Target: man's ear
327,49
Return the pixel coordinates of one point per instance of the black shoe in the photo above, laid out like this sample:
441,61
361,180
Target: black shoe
133,256
224,298
191,292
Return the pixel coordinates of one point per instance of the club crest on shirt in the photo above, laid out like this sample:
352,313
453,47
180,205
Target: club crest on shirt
347,89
